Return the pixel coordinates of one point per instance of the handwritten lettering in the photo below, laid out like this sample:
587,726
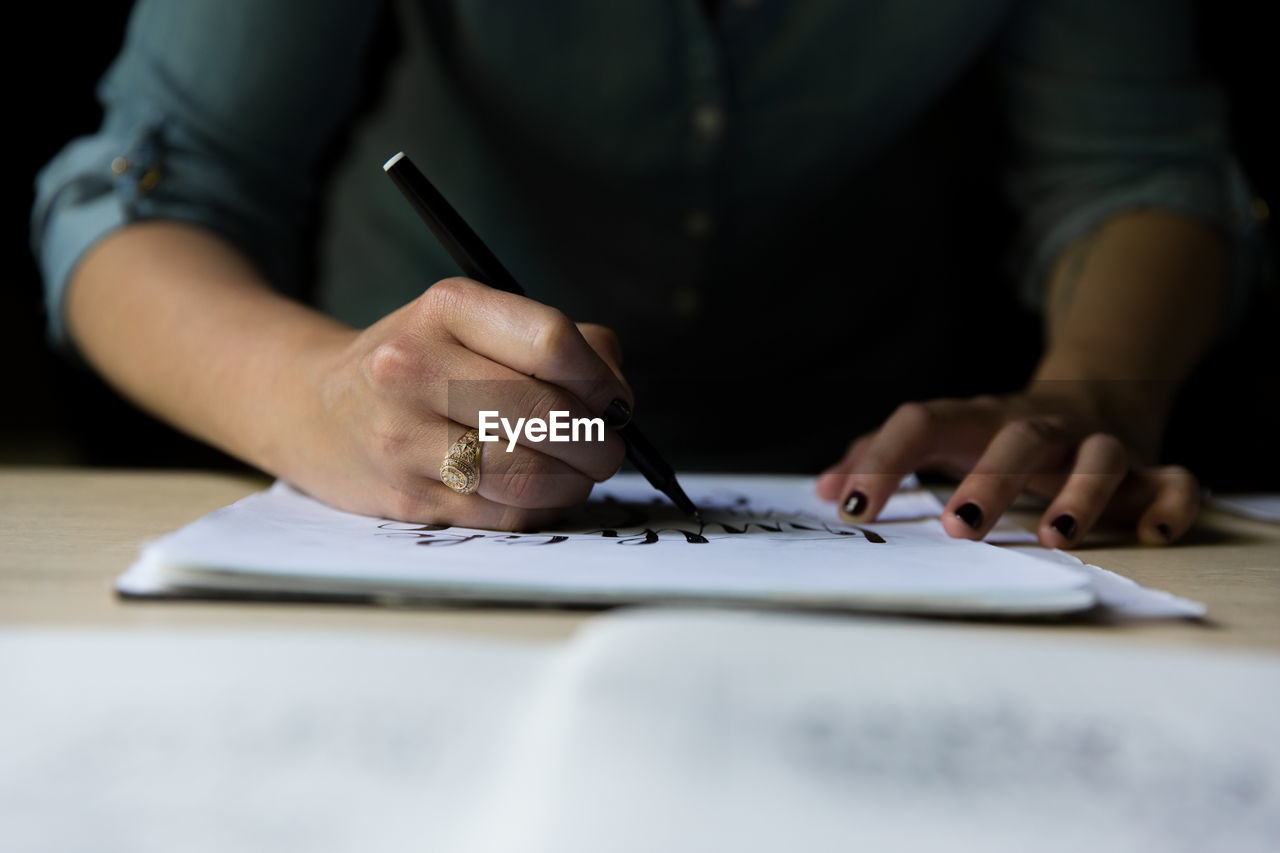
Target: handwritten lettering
632,523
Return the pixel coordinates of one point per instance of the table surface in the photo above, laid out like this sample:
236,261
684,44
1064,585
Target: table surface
65,533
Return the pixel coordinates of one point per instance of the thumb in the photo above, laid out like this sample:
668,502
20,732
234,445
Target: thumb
606,345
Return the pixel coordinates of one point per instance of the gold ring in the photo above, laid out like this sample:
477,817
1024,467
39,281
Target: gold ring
460,469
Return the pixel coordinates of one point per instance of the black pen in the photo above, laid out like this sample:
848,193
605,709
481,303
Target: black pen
477,262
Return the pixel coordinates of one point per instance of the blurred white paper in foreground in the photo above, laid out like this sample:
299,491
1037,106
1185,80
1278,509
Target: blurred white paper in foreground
151,741
649,730
762,732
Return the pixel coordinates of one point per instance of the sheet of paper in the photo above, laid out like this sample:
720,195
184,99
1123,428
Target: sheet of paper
1120,596
764,540
151,741
1258,506
761,732
650,730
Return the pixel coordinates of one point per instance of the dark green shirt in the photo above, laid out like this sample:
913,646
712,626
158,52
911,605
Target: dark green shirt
764,204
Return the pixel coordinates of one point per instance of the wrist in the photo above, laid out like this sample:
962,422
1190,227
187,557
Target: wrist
289,433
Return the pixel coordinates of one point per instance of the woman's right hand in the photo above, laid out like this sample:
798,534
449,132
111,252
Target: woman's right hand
392,399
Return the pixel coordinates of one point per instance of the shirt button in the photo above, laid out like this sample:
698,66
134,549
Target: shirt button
708,121
699,224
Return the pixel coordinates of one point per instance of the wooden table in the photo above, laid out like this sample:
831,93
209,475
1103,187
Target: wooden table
65,533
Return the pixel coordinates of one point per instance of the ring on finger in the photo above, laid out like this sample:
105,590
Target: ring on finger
460,469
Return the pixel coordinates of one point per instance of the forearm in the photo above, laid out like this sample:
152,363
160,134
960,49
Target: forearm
181,323
1131,308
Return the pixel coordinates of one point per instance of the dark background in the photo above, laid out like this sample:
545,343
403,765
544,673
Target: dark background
55,412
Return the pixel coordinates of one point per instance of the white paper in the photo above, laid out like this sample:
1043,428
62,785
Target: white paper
1258,506
153,741
762,732
766,540
1120,596
650,730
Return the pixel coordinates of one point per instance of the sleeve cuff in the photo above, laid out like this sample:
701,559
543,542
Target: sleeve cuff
1227,205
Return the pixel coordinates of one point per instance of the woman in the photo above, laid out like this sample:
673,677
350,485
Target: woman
760,198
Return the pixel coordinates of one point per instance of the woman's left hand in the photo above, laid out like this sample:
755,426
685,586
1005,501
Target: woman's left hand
1061,442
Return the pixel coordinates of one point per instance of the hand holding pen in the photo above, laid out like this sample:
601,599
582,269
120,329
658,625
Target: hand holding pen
422,374
561,350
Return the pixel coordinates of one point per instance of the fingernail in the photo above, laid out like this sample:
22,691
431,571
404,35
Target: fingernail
1165,533
970,515
617,415
855,504
1066,525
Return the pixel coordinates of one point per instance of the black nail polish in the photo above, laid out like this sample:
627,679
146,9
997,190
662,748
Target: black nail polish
970,514
1066,525
1165,533
617,415
855,503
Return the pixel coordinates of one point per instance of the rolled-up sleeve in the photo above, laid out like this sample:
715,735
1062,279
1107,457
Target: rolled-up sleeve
215,113
1109,113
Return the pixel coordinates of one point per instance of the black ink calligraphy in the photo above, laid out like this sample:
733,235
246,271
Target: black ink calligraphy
633,523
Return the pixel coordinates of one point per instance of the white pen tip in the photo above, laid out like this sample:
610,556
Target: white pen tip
396,159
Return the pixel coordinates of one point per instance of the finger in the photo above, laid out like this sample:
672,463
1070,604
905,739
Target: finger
427,501
605,342
527,479
831,480
1018,450
531,338
418,379
914,434
1101,466
521,478
1174,509
551,415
